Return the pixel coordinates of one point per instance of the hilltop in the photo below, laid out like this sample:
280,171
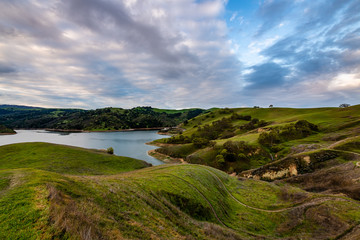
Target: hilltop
43,197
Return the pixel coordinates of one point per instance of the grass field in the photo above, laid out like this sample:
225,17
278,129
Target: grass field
52,191
65,159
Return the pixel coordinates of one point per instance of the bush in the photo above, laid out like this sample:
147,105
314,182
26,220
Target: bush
110,150
200,142
300,129
220,160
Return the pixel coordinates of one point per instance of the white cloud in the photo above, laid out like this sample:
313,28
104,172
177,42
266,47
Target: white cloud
233,16
345,81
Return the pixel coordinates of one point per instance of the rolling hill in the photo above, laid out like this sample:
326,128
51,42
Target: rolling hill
105,119
52,191
236,140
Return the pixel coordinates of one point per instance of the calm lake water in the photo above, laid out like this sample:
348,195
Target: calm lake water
129,144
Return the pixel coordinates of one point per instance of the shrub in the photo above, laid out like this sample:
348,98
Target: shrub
300,129
220,160
110,150
200,142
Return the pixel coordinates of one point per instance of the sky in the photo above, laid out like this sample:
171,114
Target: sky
179,53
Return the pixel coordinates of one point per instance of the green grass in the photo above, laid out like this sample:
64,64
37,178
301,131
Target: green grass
327,118
65,159
334,124
45,195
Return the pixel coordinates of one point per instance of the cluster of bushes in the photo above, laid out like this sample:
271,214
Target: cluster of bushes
232,151
254,124
4,129
300,129
177,151
179,139
204,134
236,156
236,116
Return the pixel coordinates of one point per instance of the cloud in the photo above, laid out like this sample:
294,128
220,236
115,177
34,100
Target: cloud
119,53
316,58
265,76
6,69
175,54
272,13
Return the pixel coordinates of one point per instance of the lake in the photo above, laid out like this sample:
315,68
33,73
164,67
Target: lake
129,144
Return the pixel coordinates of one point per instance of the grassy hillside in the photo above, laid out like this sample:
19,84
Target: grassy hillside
93,120
246,138
38,201
65,159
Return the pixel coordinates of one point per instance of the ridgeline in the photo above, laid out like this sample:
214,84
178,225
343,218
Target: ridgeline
105,119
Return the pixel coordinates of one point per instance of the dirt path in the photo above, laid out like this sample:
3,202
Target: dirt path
211,206
351,233
15,179
340,142
214,212
312,202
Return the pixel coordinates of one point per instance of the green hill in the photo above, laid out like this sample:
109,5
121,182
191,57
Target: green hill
65,159
246,138
52,191
93,120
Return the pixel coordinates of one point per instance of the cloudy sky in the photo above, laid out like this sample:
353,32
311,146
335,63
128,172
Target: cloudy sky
179,53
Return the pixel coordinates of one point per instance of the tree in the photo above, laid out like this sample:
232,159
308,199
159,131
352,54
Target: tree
271,106
344,105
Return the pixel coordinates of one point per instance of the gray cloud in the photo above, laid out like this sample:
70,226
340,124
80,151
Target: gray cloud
106,17
265,76
6,69
97,53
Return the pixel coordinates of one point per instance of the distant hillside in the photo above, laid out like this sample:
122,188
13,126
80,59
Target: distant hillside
246,138
52,191
18,107
93,120
6,130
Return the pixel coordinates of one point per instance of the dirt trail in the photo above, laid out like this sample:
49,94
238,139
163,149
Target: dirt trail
15,180
340,142
214,212
312,202
211,206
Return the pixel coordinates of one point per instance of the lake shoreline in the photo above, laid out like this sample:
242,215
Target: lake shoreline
125,143
90,131
165,158
8,133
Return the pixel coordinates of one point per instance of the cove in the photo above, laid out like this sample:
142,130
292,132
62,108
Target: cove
129,144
